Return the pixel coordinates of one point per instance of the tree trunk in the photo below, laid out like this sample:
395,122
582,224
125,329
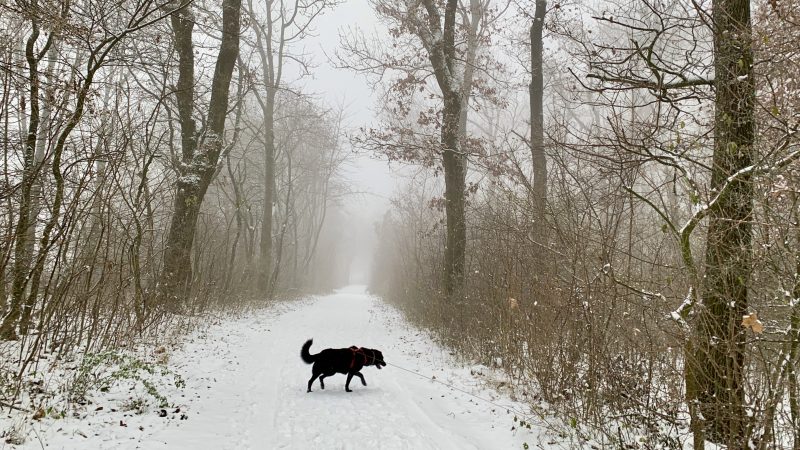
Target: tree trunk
279,247
269,191
475,16
177,269
794,359
715,368
443,58
538,158
455,173
271,70
38,161
199,159
23,250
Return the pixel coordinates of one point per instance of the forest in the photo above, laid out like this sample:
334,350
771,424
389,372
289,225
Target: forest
598,201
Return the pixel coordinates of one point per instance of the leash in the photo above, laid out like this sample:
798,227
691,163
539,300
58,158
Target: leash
522,415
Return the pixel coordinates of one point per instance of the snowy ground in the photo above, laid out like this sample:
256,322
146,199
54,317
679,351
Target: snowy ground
246,388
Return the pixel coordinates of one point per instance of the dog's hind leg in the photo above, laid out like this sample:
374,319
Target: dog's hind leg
311,381
323,376
347,384
358,374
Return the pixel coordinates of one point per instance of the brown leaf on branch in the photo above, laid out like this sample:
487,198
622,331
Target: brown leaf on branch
751,321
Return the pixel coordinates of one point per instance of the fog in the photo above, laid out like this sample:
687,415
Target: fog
596,203
371,177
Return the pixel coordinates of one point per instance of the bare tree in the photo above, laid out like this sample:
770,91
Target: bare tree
99,52
199,153
276,31
715,372
656,165
25,235
454,66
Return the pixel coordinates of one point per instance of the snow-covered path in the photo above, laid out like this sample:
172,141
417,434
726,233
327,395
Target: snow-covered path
246,388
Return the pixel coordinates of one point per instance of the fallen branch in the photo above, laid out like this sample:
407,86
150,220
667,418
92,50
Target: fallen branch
9,405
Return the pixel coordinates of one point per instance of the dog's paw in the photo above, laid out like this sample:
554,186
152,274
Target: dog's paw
308,391
364,383
349,390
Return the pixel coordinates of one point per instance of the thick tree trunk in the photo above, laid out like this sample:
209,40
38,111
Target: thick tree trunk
455,161
455,173
715,368
199,160
177,269
538,157
443,58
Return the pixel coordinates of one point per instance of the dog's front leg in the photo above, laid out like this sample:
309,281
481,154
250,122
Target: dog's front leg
362,378
347,384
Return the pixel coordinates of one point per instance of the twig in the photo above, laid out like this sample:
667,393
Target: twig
10,406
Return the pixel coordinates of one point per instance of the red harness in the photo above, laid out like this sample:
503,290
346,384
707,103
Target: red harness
356,350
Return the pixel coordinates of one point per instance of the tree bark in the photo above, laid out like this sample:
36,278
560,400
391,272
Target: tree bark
200,159
454,162
715,366
538,158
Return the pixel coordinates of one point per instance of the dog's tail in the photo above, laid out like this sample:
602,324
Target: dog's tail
307,357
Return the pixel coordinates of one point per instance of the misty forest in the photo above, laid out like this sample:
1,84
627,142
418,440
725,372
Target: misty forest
565,224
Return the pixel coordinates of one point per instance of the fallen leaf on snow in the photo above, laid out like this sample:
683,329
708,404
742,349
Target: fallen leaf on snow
39,414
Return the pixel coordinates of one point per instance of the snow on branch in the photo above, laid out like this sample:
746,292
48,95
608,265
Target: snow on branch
702,210
682,312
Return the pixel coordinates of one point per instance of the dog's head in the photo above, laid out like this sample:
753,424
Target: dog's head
377,358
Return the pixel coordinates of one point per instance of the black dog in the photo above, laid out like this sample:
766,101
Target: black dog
340,360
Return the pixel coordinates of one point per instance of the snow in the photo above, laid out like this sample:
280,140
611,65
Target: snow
684,309
436,37
189,179
245,387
